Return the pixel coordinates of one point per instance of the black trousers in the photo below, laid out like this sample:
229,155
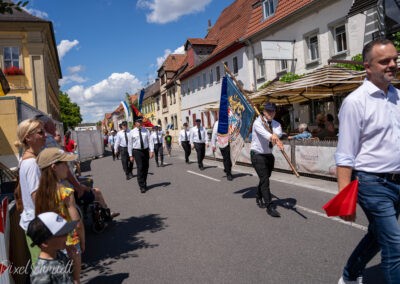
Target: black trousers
158,149
112,151
226,156
201,152
187,149
126,163
263,164
142,158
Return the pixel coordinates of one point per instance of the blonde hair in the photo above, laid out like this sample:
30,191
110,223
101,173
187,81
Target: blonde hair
25,128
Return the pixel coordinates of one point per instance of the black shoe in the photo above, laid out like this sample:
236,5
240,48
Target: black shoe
229,177
142,190
260,202
187,162
128,177
162,164
201,168
271,210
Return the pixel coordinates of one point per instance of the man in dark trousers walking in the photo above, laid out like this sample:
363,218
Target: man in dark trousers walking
225,152
138,147
199,140
184,141
261,155
121,147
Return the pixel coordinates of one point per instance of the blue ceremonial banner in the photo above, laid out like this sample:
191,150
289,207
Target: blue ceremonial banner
141,96
126,110
235,118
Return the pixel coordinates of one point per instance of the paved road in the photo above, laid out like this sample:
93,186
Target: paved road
194,226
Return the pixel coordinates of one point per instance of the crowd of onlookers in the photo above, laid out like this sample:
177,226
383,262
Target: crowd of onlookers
47,197
325,129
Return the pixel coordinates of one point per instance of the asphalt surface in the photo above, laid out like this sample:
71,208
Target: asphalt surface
194,226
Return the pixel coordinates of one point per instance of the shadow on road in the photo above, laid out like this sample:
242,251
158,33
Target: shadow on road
249,192
287,203
161,184
241,175
115,278
119,241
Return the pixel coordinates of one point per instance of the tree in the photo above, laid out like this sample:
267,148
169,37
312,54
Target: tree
70,112
7,7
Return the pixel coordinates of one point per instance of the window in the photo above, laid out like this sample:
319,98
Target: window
192,85
218,73
164,100
340,38
173,94
11,56
269,7
176,122
183,88
283,65
158,104
312,42
235,65
204,80
211,77
261,67
198,82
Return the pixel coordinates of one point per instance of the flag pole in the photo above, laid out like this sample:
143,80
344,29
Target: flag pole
258,113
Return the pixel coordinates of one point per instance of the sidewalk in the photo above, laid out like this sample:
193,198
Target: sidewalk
312,183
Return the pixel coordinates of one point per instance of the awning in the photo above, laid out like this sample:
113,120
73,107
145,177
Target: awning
323,82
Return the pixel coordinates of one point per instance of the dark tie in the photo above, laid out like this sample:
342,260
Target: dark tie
158,139
126,139
199,134
186,138
141,138
113,139
270,127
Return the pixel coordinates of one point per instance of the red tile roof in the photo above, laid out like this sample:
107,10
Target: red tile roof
174,62
201,41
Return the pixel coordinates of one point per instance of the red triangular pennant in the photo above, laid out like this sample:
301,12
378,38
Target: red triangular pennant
344,203
2,268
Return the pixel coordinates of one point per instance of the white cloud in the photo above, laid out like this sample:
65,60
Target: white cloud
65,46
179,50
37,13
168,11
161,59
73,76
103,96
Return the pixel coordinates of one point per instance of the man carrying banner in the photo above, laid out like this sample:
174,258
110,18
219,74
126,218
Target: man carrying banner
261,155
368,150
199,140
184,141
225,152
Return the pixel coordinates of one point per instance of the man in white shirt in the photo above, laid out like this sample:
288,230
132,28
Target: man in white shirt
139,145
261,155
121,147
368,150
111,142
156,138
199,140
184,141
225,152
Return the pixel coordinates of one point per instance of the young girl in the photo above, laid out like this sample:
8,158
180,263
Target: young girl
31,139
52,196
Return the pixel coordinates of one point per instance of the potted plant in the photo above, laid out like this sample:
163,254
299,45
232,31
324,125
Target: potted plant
13,70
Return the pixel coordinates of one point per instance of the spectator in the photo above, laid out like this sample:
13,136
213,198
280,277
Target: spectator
31,139
168,143
304,134
49,232
52,196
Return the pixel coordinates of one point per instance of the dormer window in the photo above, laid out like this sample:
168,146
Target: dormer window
269,7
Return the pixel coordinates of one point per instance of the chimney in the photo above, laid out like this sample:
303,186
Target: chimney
209,26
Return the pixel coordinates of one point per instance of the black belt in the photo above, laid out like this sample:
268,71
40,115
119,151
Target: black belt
141,149
389,177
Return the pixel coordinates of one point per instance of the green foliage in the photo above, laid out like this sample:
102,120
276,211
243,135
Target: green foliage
396,40
356,67
8,7
70,112
263,86
290,77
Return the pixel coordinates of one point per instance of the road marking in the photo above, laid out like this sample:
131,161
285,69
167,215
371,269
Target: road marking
351,224
203,176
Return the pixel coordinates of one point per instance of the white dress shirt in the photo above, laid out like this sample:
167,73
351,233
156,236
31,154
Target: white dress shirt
120,139
369,130
153,137
214,134
194,135
134,140
261,137
182,136
112,138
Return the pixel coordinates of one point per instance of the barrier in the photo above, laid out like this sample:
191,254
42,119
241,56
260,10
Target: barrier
90,144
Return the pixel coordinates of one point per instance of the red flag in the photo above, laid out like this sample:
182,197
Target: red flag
136,113
344,203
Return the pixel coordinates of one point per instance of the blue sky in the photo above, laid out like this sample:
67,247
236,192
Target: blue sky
110,47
